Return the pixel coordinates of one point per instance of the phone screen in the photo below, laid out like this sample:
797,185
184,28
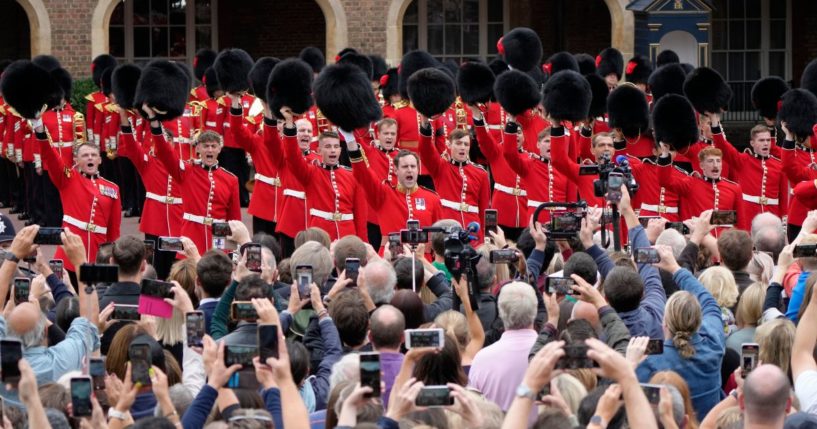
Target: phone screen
22,288
125,312
655,347
723,217
244,310
170,244
490,221
370,372
222,229
194,322
434,396
150,250
254,257
647,255
56,266
303,274
11,351
97,372
748,357
561,285
156,288
241,355
267,342
81,396
652,392
140,363
575,357
49,236
424,338
352,269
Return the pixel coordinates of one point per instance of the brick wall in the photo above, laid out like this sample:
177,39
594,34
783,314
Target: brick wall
367,25
265,28
804,38
14,21
71,34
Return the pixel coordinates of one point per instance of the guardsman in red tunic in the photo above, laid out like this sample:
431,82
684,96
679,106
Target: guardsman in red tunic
601,144
335,203
655,200
266,199
96,99
798,166
379,153
203,60
710,192
233,158
510,197
162,209
464,187
395,204
91,205
183,130
209,193
760,175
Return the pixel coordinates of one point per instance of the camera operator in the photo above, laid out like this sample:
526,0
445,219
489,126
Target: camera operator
601,147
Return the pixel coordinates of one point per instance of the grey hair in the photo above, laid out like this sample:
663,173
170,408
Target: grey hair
346,369
267,255
764,220
382,290
673,239
314,254
34,337
517,305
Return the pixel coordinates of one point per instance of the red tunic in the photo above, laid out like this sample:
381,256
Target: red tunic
61,127
642,147
182,130
162,210
408,129
92,110
532,124
209,194
336,204
510,196
246,102
91,205
463,187
213,115
654,199
798,166
570,169
806,193
381,163
266,201
199,93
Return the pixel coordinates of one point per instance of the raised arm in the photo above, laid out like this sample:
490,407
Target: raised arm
167,156
731,156
52,160
794,173
510,142
375,191
429,155
242,136
128,147
559,158
667,177
295,161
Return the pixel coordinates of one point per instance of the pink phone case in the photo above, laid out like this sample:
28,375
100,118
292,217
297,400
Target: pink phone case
154,306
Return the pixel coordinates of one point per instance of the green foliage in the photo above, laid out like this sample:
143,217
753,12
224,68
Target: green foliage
82,87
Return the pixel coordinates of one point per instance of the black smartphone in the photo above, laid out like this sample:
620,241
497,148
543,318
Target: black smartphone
491,219
11,351
652,392
544,392
171,244
723,217
253,257
303,275
57,267
503,256
98,273
81,389
156,288
241,355
222,229
587,170
370,372
267,342
150,251
49,236
352,269
805,251
749,353
125,312
22,289
575,357
560,285
394,243
140,361
194,323
655,347
433,337
678,226
614,182
243,310
96,369
647,255
434,396
645,220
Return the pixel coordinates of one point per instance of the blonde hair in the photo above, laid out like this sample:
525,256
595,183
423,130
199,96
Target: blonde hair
730,418
682,316
776,339
672,378
585,377
492,415
720,282
455,326
172,331
761,268
750,305
572,390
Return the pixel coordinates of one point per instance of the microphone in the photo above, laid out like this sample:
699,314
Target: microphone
621,159
473,227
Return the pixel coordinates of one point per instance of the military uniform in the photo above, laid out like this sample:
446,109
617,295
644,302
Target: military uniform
233,158
13,158
559,142
654,199
65,129
798,162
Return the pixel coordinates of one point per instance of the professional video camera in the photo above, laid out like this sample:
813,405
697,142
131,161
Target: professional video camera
461,258
565,219
611,177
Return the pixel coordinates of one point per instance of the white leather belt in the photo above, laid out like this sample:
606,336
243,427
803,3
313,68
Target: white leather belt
163,198
460,207
494,127
201,219
766,201
659,209
301,195
63,144
211,123
272,181
332,217
517,192
183,140
85,226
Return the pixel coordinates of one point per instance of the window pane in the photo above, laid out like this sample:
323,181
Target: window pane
118,15
735,66
753,34
410,41
435,11
203,11
736,9
177,12
777,63
777,9
410,16
116,41
719,63
736,40
435,39
160,42
720,10
178,44
494,33
777,35
158,12
204,37
719,35
753,8
453,11
141,41
453,39
141,12
495,11
752,65
470,11
470,39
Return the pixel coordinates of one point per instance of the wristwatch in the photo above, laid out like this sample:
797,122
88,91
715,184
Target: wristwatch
9,256
598,421
114,414
524,391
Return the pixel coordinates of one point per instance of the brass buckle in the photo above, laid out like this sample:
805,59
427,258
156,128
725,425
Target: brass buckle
336,216
91,227
464,207
662,209
764,200
208,221
170,200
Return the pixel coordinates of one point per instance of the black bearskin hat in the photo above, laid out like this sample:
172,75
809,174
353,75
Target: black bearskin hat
165,87
610,61
233,68
707,91
48,62
587,64
432,91
638,70
389,82
211,84
600,91
314,57
475,82
667,56
360,61
203,60
561,61
808,80
766,95
411,62
567,96
379,67
344,95
628,110
521,48
668,79
259,76
674,121
290,84
65,81
28,88
124,80
516,92
99,64
799,111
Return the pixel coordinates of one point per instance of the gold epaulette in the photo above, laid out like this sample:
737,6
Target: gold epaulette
112,107
100,107
221,100
79,127
90,97
250,119
197,107
401,104
193,92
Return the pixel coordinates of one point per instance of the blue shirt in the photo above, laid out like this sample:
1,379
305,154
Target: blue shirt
797,293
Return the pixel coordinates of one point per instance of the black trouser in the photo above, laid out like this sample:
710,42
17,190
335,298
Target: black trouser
287,245
50,203
129,189
375,237
162,260
511,233
235,161
5,185
792,231
34,192
263,225
14,177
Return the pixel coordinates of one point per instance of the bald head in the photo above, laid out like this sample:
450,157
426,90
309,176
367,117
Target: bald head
380,280
583,310
386,328
765,220
770,239
766,396
27,323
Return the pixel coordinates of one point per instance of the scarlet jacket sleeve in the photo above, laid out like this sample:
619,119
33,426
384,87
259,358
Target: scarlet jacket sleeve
115,219
273,144
668,179
484,194
375,191
794,173
559,158
52,161
731,156
428,154
585,143
806,193
167,156
234,211
295,162
241,135
510,151
360,212
131,150
487,144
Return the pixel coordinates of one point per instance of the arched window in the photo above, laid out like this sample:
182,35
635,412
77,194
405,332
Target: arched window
455,29
175,29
